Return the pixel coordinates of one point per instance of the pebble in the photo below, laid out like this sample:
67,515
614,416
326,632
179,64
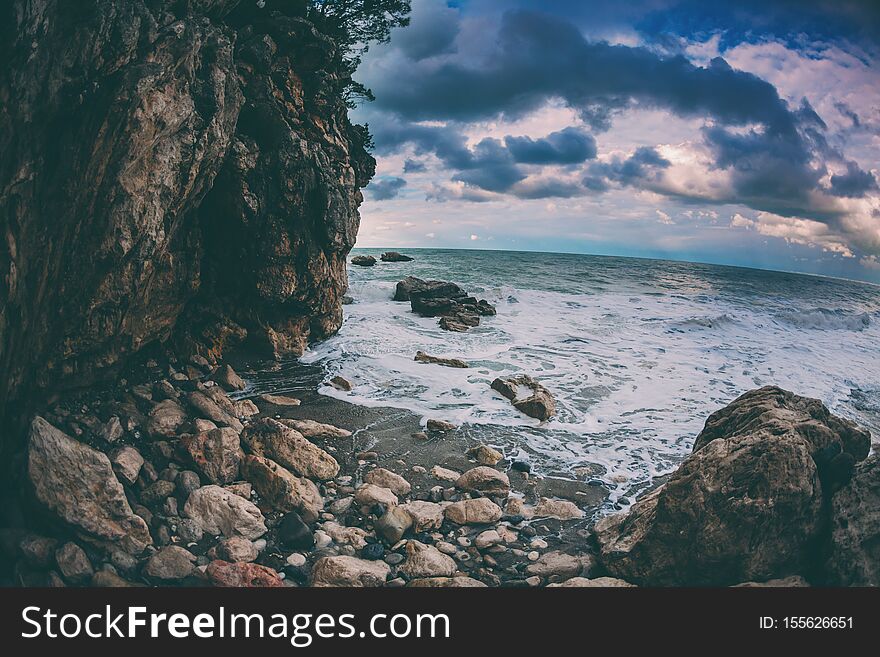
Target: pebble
322,540
538,544
533,555
373,552
294,533
394,558
463,541
296,559
445,547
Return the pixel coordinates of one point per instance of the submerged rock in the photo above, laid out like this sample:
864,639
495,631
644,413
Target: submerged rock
77,483
746,505
538,403
422,357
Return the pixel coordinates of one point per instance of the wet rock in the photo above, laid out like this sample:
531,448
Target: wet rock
425,516
373,551
274,440
281,488
746,505
559,564
170,563
312,429
387,479
393,524
294,533
280,400
165,419
855,528
74,563
242,575
485,455
228,379
411,284
370,494
394,256
236,548
426,561
209,408
349,571
127,463
422,357
460,581
341,383
218,511
216,454
480,511
488,481
596,582
439,426
559,509
77,483
521,466
537,402
363,260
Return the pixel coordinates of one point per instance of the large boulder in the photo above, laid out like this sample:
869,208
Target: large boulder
77,483
746,505
287,446
855,529
394,256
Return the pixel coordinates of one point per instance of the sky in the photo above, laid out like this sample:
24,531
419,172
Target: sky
743,133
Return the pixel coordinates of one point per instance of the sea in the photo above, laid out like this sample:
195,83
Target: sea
636,352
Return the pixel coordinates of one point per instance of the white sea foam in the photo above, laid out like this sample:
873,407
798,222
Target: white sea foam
636,362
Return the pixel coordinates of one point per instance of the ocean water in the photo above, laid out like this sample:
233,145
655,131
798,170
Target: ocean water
637,352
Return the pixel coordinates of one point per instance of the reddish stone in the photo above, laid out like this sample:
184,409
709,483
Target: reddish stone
247,575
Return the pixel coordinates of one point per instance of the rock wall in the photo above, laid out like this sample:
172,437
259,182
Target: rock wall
170,170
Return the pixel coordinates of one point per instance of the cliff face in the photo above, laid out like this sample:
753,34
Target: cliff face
169,170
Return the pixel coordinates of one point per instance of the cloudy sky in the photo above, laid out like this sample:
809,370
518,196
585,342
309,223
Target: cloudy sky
748,135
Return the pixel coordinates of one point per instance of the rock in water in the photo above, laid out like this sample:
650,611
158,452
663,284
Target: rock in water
363,260
746,505
855,529
228,378
457,310
539,403
394,256
219,511
77,483
422,357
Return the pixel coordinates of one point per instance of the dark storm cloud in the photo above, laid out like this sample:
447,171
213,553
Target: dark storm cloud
643,165
568,146
431,32
539,57
414,166
383,189
853,183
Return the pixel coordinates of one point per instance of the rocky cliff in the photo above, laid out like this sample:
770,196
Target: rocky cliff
173,171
